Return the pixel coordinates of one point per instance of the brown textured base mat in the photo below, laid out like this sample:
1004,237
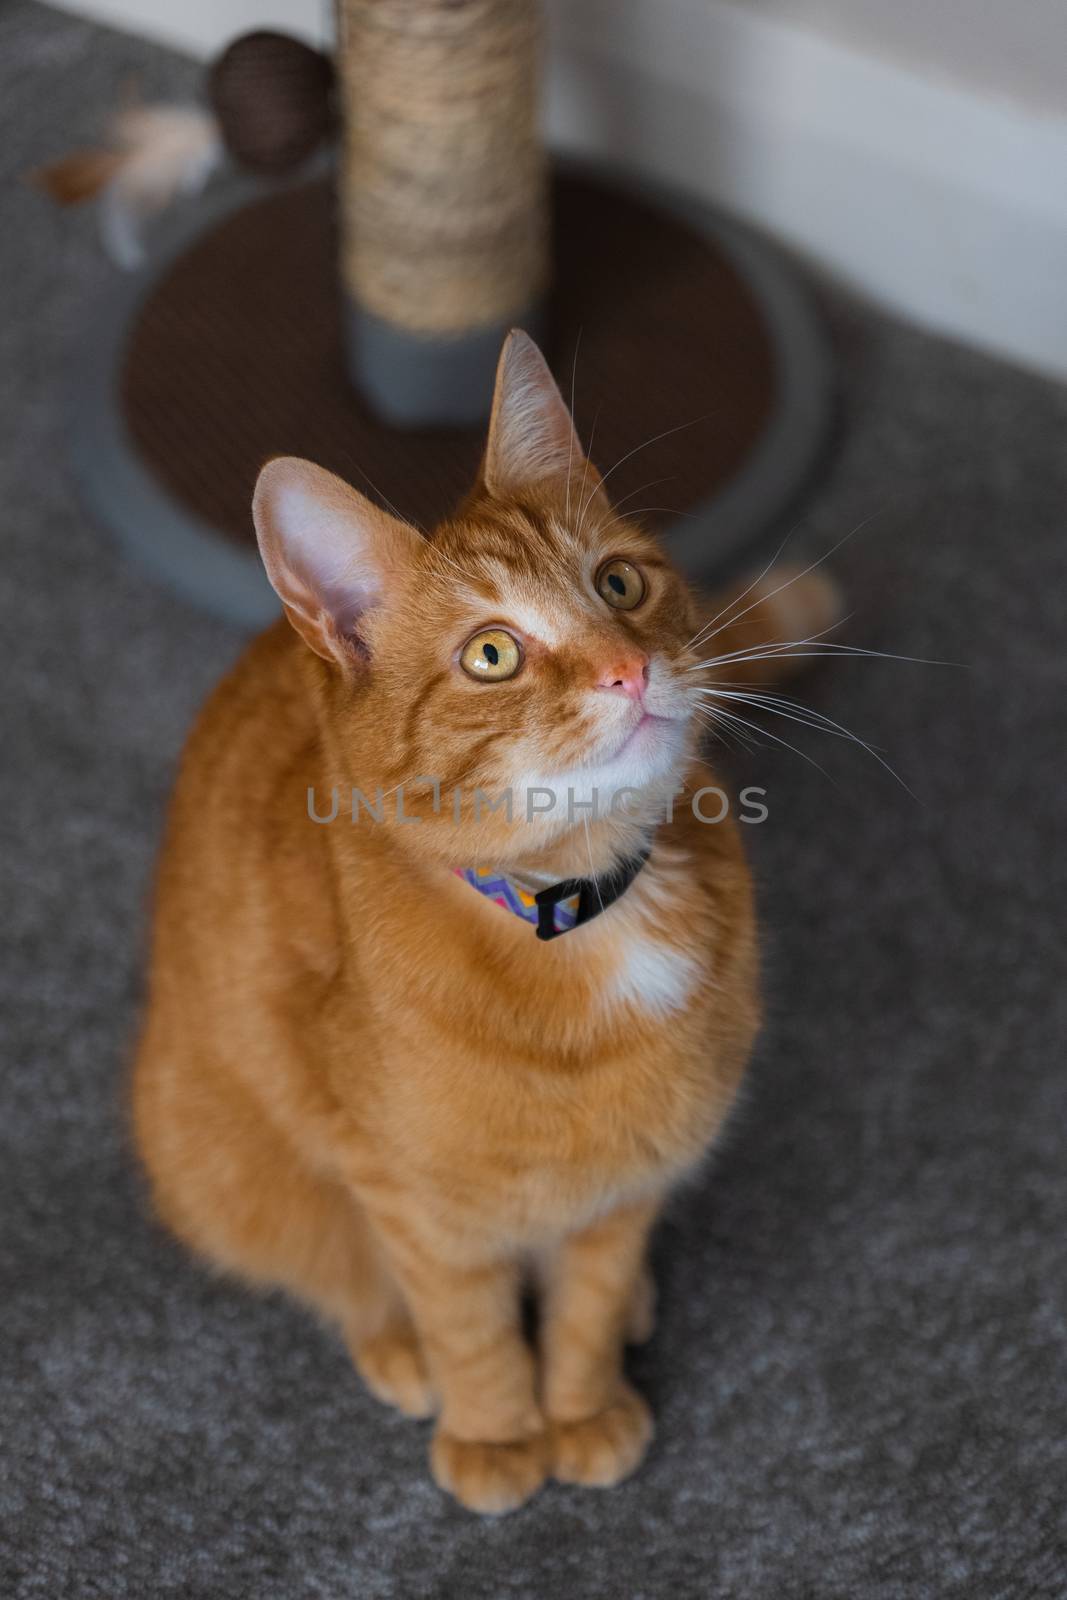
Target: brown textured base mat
236,355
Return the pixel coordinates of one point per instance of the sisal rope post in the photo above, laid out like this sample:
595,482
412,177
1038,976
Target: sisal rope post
443,196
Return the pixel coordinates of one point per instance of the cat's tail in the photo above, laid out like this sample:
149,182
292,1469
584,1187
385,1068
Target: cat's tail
766,631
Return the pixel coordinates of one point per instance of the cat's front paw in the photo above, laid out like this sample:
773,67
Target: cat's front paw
490,1478
603,1449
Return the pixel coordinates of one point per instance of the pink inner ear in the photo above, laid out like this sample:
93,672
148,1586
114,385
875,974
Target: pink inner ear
347,601
531,435
329,552
317,538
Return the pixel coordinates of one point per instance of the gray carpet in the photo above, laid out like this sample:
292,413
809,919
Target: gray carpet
860,1373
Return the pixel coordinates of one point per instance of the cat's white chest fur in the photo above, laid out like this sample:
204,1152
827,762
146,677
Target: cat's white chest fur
652,975
646,970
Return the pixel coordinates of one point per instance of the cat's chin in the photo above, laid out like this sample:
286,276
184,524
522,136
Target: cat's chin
646,757
650,760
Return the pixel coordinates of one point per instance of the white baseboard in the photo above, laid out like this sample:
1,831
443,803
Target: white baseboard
944,204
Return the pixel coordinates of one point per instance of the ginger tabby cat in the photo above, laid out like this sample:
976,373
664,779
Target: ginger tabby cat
364,1080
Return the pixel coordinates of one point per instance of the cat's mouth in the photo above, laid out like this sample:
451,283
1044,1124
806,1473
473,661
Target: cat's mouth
641,753
653,738
648,727
647,749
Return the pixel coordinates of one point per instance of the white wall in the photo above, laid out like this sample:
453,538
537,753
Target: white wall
1014,48
916,148
944,202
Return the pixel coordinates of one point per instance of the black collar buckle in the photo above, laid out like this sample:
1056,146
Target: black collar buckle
548,899
594,895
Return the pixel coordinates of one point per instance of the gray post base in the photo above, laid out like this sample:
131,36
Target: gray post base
425,381
212,570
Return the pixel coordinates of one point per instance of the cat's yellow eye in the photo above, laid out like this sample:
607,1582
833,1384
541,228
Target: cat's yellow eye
492,655
620,584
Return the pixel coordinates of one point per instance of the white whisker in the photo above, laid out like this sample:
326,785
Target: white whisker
808,717
774,648
386,502
763,598
713,722
793,648
644,511
585,473
656,437
570,449
732,717
651,484
736,599
589,848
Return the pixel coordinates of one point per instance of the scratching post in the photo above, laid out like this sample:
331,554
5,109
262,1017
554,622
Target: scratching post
443,198
701,372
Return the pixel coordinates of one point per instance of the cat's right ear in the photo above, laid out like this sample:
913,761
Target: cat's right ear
330,554
532,439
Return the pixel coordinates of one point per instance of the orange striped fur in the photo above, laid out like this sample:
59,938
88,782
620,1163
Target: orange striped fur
363,1081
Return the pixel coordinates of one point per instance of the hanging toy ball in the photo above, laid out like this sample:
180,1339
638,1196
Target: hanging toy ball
272,106
273,99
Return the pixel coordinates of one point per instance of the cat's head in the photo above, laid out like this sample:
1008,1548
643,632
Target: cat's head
535,642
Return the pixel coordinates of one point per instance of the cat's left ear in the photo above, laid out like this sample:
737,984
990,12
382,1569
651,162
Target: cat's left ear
330,554
532,439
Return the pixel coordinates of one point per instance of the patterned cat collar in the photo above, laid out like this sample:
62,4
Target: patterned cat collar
562,906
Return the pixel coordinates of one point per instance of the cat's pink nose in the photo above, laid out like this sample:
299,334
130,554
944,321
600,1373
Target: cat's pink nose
627,675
